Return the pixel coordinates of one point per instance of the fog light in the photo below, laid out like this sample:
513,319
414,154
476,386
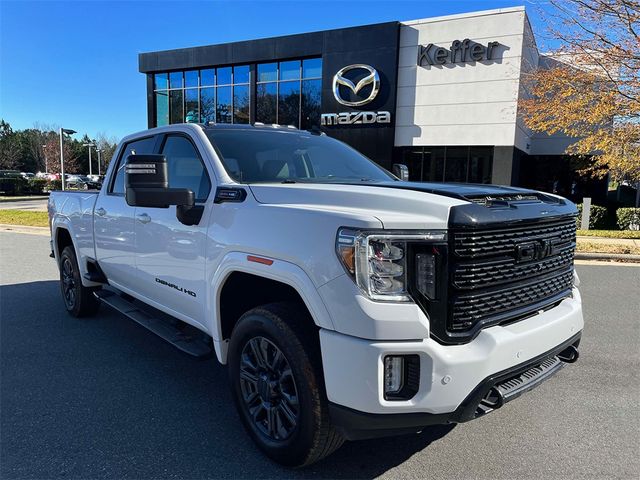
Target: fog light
393,374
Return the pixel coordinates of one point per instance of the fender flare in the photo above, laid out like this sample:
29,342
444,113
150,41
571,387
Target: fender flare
280,271
62,222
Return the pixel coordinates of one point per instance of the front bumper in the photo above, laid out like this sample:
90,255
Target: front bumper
356,425
449,375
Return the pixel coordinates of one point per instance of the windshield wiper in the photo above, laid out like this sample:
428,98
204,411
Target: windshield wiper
288,180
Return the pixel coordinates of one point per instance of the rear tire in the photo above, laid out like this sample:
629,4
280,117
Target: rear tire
78,299
277,385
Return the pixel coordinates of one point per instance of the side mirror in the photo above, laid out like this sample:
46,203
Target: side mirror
401,171
146,183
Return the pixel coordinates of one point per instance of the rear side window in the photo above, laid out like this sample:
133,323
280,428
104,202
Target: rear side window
185,167
139,147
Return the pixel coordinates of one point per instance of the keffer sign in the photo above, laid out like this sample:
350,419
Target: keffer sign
460,52
354,93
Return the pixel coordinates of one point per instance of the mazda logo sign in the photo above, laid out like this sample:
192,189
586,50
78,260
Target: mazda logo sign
371,78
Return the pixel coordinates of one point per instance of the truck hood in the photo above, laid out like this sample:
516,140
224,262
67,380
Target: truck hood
394,208
405,204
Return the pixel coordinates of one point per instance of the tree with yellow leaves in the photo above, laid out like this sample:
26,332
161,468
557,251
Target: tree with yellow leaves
590,89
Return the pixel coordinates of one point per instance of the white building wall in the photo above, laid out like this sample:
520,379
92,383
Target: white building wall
472,103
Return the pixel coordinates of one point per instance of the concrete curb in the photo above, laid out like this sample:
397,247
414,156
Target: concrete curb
23,199
24,229
620,257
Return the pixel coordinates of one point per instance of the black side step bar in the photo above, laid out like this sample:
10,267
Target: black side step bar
176,334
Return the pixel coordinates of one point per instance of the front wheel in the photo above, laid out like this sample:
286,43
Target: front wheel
78,299
276,381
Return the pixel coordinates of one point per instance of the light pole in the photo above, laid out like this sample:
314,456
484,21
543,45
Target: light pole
68,131
44,151
89,145
99,150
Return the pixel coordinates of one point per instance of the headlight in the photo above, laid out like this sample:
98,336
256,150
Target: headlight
377,260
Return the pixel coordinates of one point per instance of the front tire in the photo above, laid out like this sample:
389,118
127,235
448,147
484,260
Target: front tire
78,299
276,381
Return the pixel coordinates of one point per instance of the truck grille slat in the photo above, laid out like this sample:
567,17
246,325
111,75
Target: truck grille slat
492,281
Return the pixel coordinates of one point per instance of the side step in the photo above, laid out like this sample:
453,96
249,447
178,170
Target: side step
172,333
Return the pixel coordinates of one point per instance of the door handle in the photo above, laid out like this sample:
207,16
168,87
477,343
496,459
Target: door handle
101,212
143,218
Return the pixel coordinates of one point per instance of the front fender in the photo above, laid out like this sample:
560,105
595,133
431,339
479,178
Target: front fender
281,271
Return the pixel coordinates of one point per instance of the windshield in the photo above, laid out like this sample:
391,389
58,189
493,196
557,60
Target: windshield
257,156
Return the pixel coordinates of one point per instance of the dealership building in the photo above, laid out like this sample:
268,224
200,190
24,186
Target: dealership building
437,94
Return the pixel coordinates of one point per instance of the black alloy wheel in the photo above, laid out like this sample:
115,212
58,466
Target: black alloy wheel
269,389
275,372
68,283
78,299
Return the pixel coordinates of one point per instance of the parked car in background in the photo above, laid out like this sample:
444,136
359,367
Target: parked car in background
95,178
9,173
82,182
28,175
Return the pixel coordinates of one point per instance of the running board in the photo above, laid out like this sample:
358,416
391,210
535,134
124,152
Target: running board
172,333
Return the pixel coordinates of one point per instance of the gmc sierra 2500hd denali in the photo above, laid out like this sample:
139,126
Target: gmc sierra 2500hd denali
346,302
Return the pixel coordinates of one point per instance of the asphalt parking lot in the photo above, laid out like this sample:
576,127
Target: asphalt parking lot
103,398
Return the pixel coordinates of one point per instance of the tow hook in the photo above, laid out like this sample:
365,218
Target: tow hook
569,354
494,399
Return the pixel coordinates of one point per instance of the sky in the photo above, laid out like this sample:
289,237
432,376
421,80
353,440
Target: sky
75,63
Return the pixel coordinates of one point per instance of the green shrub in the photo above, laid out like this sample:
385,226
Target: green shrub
12,185
628,218
53,185
597,218
35,186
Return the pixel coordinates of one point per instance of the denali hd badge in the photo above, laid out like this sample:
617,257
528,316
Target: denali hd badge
342,84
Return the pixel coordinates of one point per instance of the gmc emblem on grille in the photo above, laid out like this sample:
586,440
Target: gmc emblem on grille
537,250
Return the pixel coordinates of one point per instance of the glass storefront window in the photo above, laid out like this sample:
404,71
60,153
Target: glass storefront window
176,106
288,93
208,77
311,99
267,72
267,102
191,79
162,108
312,68
290,70
241,104
224,76
223,105
208,105
175,80
480,164
192,108
161,81
456,165
449,164
289,103
241,74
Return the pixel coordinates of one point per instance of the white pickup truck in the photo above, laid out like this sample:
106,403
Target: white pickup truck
347,303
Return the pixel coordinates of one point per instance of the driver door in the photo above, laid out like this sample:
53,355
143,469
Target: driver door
170,256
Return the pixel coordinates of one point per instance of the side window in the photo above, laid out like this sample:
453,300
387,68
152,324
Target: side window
142,146
185,167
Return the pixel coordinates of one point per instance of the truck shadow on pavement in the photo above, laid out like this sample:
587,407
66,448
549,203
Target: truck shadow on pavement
102,398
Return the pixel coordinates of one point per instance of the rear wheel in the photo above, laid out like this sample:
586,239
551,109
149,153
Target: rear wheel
78,299
277,385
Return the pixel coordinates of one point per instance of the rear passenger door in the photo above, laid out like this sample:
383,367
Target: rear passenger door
170,256
114,227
